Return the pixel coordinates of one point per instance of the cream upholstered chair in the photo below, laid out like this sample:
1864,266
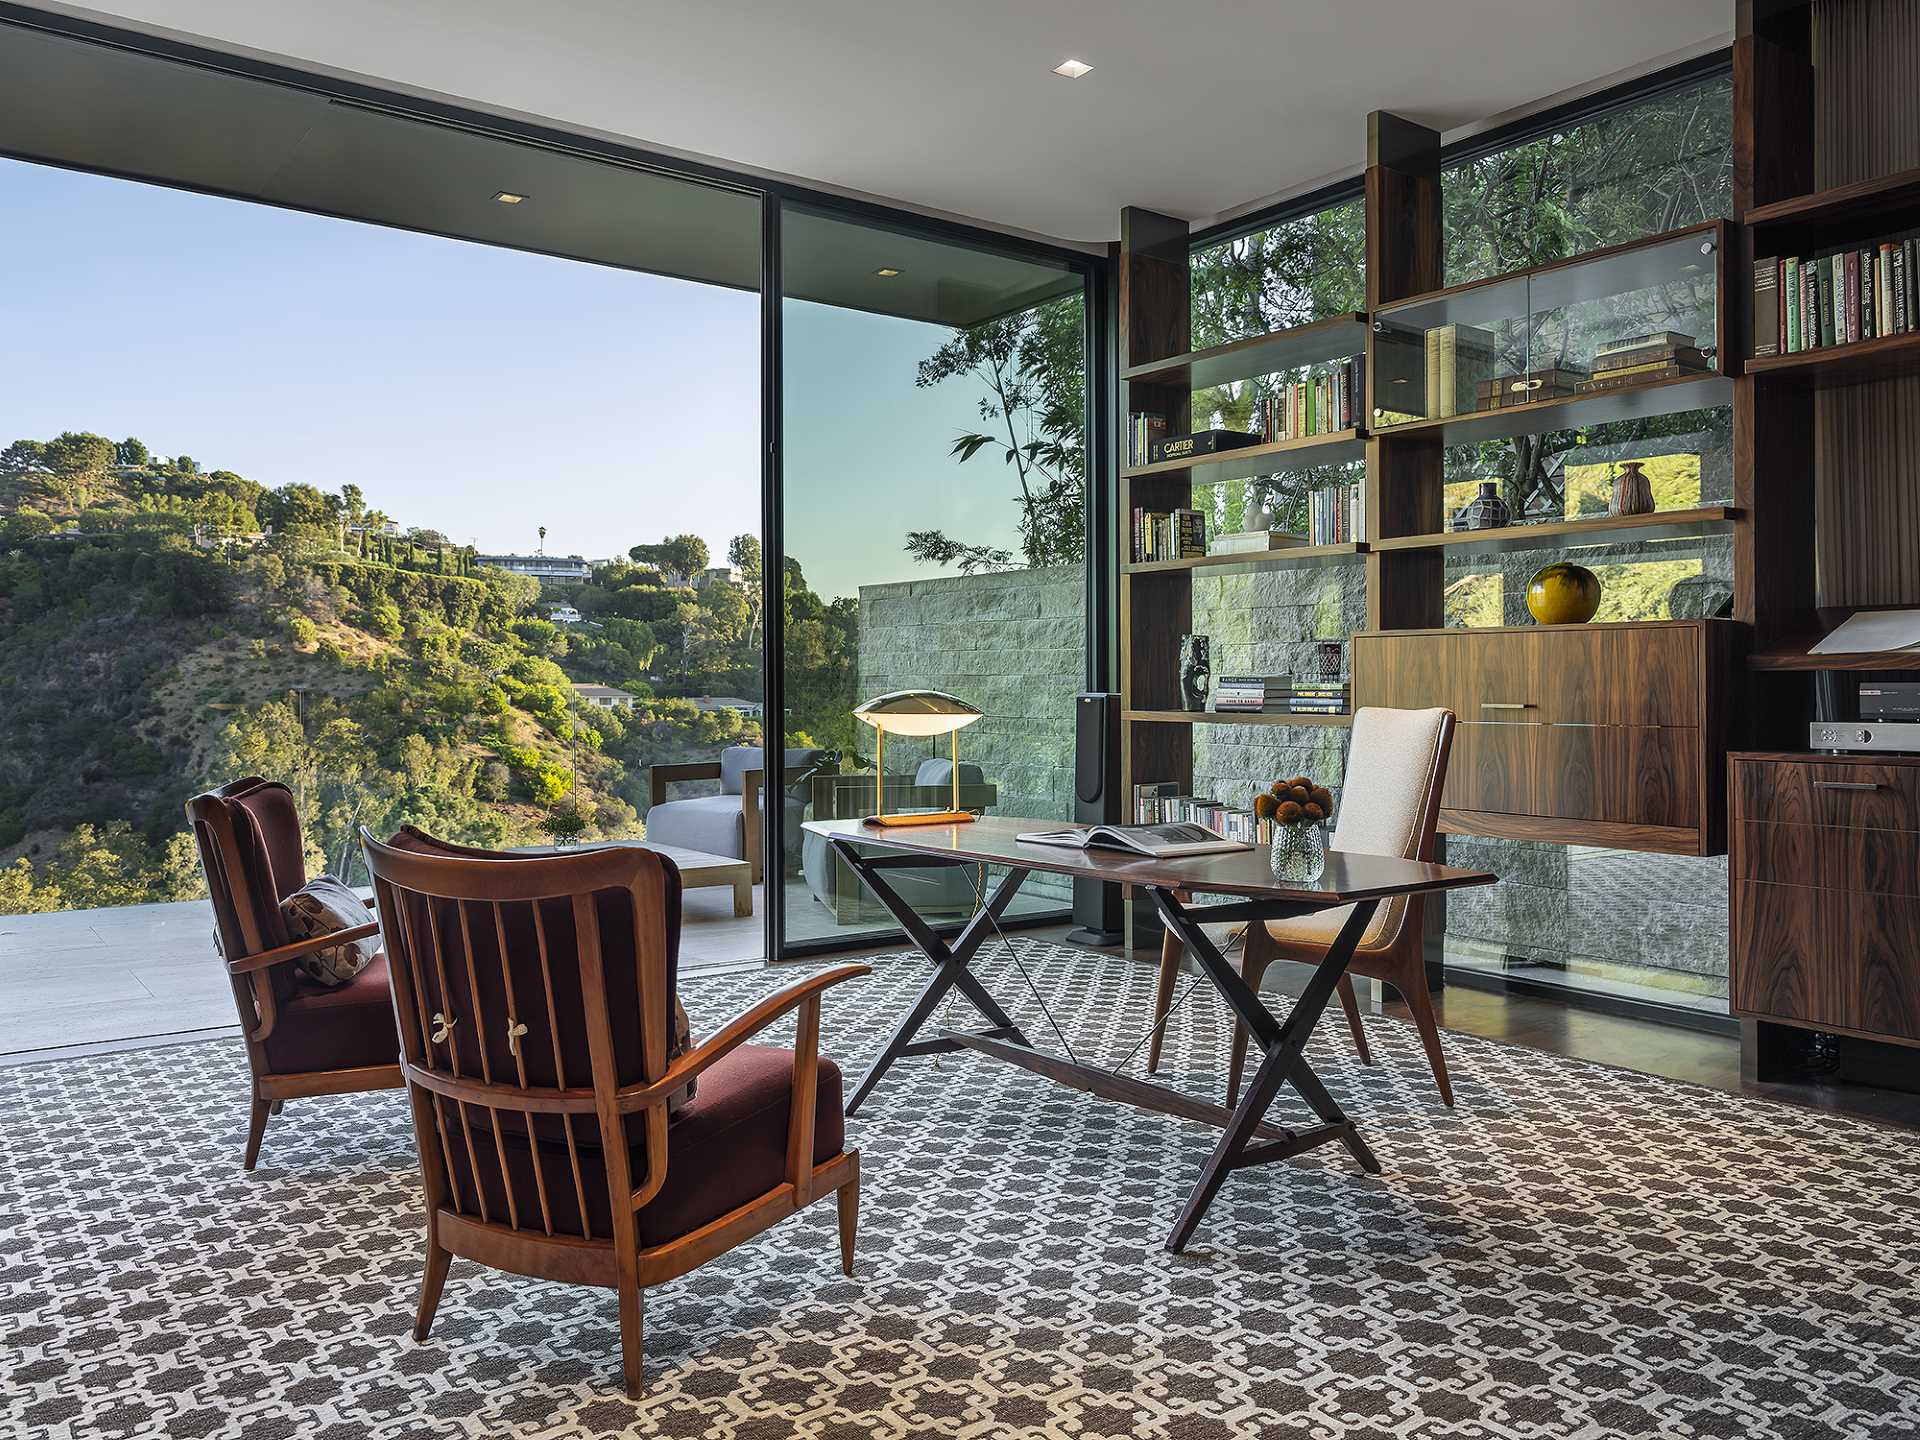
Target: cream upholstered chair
1389,804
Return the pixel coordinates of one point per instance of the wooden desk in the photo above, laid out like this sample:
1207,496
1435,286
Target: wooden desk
1361,881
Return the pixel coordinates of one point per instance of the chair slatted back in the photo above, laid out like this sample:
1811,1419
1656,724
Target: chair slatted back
527,992
228,854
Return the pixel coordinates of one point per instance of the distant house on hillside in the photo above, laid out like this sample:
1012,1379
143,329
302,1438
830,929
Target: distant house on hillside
606,697
716,574
549,569
564,615
752,709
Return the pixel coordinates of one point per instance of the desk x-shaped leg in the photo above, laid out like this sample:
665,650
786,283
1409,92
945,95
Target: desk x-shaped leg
1282,1044
950,961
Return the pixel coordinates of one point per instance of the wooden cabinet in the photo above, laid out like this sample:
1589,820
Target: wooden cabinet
1824,874
1597,735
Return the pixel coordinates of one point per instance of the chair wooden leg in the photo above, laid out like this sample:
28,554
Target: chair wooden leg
1351,1004
632,1331
1170,948
1420,1005
278,1106
1253,969
256,1129
431,1284
847,1199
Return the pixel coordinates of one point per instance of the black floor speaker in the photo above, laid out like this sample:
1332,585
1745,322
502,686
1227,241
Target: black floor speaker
1096,800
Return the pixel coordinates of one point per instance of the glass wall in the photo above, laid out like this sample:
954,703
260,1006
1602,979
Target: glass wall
438,532
933,513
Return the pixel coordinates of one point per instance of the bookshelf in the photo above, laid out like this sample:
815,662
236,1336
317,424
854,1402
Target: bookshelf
1212,717
1329,449
1597,530
1319,341
1250,560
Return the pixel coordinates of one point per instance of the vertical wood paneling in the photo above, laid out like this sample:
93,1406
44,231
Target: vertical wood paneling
1867,437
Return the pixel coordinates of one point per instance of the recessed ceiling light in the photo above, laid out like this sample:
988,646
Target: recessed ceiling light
1072,69
507,197
886,272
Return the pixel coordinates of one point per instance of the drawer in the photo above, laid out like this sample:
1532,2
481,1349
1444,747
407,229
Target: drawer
1622,677
1782,961
1813,792
1829,857
1492,767
1620,774
1405,672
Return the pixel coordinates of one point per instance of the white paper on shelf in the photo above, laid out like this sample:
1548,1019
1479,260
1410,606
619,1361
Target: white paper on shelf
1871,630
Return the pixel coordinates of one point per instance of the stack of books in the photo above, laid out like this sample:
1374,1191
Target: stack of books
1337,515
1150,802
1143,428
1250,694
1162,804
1642,359
1535,385
1320,405
1837,299
1318,697
1459,357
1169,534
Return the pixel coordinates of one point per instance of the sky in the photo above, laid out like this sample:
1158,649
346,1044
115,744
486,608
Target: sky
475,390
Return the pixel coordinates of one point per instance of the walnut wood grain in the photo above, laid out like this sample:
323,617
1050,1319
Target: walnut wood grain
1665,840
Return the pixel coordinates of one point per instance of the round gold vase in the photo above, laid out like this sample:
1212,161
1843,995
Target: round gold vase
1563,594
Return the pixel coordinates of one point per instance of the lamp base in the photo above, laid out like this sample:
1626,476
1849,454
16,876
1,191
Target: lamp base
925,817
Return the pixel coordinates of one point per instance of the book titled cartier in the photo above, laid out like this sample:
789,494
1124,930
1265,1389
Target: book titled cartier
1201,442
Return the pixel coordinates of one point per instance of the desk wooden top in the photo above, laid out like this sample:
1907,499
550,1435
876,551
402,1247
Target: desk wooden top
991,840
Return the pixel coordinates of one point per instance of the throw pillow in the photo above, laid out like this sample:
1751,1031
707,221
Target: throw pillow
324,906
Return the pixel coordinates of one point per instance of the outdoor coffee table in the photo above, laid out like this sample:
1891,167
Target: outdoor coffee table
698,869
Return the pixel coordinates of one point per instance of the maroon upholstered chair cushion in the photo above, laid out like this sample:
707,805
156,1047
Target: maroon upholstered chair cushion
725,1147
336,1029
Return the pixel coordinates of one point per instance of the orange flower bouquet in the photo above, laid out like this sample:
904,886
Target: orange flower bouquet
1297,811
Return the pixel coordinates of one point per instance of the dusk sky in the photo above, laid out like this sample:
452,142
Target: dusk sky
481,391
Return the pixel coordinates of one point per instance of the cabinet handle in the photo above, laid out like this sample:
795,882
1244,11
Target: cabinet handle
1846,785
1506,705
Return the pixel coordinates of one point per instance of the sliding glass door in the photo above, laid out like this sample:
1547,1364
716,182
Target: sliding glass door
933,512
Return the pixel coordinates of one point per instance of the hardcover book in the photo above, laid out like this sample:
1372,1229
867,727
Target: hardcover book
1201,442
1766,307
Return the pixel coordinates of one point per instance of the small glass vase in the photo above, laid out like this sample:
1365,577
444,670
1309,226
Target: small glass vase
1299,851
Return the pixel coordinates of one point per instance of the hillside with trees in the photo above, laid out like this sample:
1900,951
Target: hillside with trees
165,627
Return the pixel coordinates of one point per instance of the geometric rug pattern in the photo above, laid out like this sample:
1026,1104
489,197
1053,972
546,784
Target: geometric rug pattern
1575,1251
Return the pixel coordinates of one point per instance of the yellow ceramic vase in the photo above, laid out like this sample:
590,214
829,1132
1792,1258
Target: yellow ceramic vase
1563,594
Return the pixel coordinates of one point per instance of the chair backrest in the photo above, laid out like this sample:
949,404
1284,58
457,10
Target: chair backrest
736,760
253,855
1389,802
528,990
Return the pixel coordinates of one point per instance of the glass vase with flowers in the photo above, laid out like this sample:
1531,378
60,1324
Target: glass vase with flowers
1298,810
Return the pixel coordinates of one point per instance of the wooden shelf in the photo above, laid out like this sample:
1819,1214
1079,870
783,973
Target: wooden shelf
1209,717
1335,449
1259,559
1855,364
1335,338
1866,209
1550,534
1572,412
1791,651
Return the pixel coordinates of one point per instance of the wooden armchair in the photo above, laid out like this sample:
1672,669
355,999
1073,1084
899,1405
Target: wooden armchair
533,996
301,1039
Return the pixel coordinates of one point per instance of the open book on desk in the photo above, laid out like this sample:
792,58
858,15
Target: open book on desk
1160,842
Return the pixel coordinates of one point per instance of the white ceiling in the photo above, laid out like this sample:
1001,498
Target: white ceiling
1199,108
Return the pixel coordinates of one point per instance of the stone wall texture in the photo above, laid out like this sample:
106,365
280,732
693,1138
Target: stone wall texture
1012,643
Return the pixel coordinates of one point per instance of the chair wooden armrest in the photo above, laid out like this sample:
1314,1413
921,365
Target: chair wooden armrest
280,954
661,776
736,1032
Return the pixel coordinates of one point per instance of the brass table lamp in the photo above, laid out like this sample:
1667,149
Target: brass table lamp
915,712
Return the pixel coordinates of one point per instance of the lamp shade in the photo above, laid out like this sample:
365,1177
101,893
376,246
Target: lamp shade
916,712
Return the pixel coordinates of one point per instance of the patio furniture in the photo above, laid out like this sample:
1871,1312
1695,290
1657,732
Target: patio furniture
729,823
533,996
301,1038
943,891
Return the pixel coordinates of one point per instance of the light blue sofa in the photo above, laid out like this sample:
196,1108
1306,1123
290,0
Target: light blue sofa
729,823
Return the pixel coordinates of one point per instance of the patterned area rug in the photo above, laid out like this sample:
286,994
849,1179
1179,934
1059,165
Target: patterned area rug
1575,1251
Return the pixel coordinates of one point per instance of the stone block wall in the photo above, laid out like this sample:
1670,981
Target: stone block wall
1012,643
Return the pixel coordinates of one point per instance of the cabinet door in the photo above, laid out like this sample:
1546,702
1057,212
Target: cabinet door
1619,774
1492,767
1875,962
1621,676
1405,672
1500,677
1782,963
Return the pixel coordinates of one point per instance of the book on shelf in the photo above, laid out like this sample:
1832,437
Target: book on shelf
1143,428
1150,801
1690,355
1502,391
1766,306
1670,338
1253,542
1319,405
1843,297
1197,444
1459,357
1337,514
1168,534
